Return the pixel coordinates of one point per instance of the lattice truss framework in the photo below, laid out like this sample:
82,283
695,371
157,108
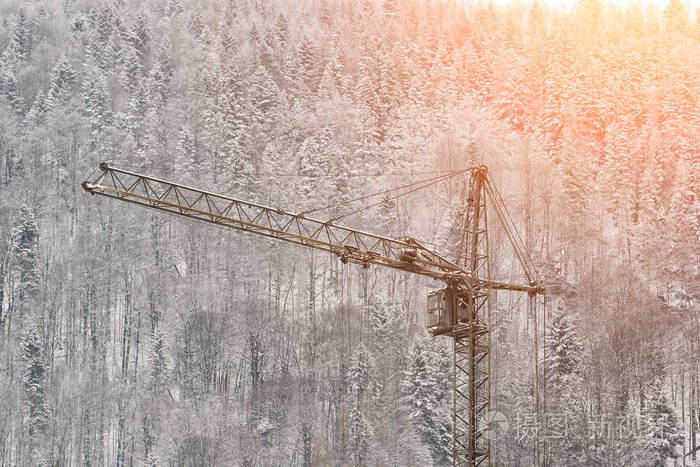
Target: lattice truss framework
471,336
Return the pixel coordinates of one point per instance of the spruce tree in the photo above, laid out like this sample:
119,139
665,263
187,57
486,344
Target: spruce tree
360,436
162,72
232,116
264,96
424,391
61,80
563,346
25,238
97,105
34,383
662,429
282,29
303,67
21,40
37,113
675,17
157,360
139,35
359,372
327,89
9,88
563,364
132,71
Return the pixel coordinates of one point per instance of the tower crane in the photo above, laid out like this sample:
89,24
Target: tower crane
460,310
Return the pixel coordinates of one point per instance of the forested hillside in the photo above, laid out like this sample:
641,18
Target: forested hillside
130,337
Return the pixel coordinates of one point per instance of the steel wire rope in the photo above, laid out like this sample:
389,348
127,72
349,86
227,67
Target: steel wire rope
544,376
382,192
536,355
444,175
497,194
441,179
281,174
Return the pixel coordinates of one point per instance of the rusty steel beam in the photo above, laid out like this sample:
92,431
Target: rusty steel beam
350,245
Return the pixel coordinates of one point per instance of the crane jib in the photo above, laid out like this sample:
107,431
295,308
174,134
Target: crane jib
350,245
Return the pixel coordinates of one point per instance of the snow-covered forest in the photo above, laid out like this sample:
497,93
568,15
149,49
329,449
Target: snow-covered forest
131,337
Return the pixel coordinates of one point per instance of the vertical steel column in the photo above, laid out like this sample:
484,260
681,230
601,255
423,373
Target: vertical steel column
471,339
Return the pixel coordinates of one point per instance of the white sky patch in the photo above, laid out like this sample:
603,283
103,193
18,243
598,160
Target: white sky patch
690,5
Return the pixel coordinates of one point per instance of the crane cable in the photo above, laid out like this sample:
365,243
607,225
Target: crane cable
429,181
536,444
544,376
292,175
540,386
426,183
437,180
516,238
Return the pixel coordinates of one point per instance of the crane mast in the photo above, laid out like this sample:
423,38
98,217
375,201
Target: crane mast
460,310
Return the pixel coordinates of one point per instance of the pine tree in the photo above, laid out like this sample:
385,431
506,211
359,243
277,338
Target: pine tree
37,113
315,163
685,196
34,383
563,350
367,120
390,8
651,199
97,105
662,428
563,363
303,67
25,239
536,20
157,361
233,118
683,225
387,214
102,22
388,89
424,388
590,12
21,41
282,29
9,88
675,17
359,372
139,35
360,436
138,107
450,233
367,144
187,145
379,318
264,96
61,80
336,60
162,72
327,89
132,71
